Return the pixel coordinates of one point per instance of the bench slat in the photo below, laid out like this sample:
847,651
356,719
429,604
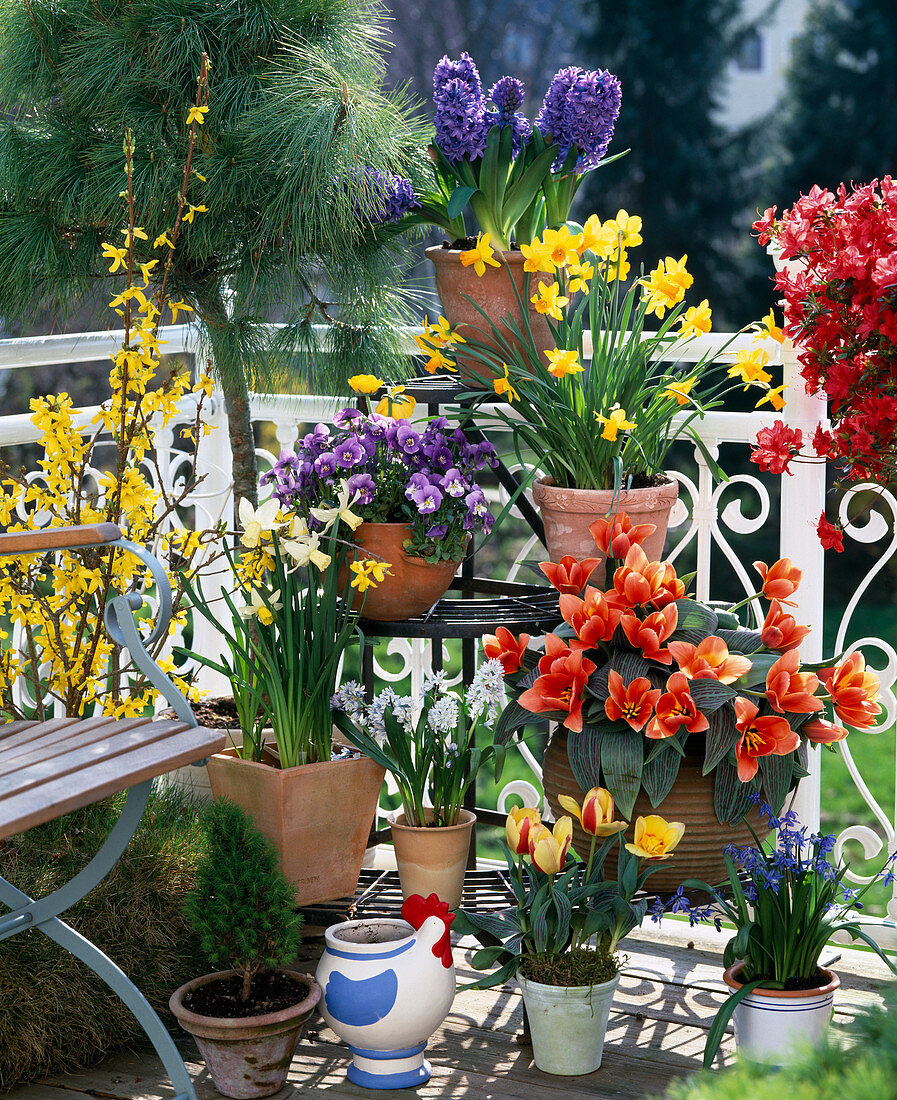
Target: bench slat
46,733
58,538
60,794
65,750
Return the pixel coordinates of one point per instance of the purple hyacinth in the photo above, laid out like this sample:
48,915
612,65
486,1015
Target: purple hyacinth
461,120
507,95
384,199
579,111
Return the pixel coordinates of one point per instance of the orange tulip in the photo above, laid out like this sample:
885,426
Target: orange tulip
821,732
548,847
633,702
766,736
675,708
788,689
569,575
654,837
854,691
780,630
596,815
710,659
564,674
616,537
780,579
593,619
517,828
649,634
503,646
639,581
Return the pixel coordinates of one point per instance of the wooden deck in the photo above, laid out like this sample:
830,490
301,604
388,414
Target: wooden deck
663,1007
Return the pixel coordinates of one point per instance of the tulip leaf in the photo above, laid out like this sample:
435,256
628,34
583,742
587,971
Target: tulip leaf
458,200
741,641
584,754
725,619
597,684
720,738
622,761
710,695
761,663
777,773
659,774
695,616
630,666
731,797
511,719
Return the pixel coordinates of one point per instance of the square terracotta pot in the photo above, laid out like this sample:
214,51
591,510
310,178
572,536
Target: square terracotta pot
318,816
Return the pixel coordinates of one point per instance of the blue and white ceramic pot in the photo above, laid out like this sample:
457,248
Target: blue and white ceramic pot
386,989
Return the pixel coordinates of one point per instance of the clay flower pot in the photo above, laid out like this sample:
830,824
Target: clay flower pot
568,513
772,1026
412,586
493,292
318,816
249,1056
432,859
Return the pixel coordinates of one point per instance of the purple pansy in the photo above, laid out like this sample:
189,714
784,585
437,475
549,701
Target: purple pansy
364,485
427,498
349,453
453,483
325,464
437,531
407,439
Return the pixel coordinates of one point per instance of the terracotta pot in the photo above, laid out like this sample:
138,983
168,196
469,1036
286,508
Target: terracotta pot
568,514
318,816
432,860
494,293
775,1026
699,853
412,587
250,1056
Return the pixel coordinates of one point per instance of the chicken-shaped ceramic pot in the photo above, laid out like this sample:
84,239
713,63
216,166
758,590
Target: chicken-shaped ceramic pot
387,985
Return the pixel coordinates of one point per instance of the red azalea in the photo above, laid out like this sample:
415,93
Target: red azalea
675,708
789,690
766,736
830,536
593,618
776,446
503,646
649,634
569,575
854,691
564,674
764,225
780,630
632,702
415,910
616,537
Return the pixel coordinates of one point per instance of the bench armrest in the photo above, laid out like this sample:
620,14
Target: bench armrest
58,538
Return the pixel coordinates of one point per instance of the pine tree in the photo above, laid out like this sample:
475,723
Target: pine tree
839,111
295,102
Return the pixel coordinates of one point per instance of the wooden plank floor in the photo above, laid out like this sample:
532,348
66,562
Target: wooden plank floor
663,1007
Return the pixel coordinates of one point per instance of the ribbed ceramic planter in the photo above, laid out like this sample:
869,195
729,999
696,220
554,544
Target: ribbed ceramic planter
568,513
773,1025
699,853
411,587
432,860
318,816
568,1024
493,292
385,992
249,1056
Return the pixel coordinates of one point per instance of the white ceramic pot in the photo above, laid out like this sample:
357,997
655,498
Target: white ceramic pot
567,1024
385,990
773,1025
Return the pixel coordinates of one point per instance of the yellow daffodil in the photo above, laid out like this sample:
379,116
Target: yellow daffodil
617,266
341,511
767,329
536,257
197,114
774,397
615,423
397,403
561,246
163,238
596,815
481,254
377,569
438,361
258,608
116,255
749,368
696,320
365,383
549,300
256,522
666,285
679,391
442,334
562,363
175,306
548,847
578,276
597,238
188,217
655,838
503,387
627,228
368,573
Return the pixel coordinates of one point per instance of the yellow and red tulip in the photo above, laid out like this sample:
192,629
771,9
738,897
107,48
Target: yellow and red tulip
520,821
655,837
548,847
596,815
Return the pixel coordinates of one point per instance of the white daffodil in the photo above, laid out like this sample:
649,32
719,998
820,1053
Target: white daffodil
259,607
329,516
306,550
256,523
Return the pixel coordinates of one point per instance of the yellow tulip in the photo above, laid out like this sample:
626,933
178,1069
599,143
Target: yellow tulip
520,821
596,814
655,838
548,847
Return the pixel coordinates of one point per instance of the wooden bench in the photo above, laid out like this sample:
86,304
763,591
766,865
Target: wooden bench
49,768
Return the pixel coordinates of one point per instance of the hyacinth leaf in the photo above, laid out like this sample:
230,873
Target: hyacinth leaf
659,774
777,773
720,738
458,200
523,192
710,695
622,762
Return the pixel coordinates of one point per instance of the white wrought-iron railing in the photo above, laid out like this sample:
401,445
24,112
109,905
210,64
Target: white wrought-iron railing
700,519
